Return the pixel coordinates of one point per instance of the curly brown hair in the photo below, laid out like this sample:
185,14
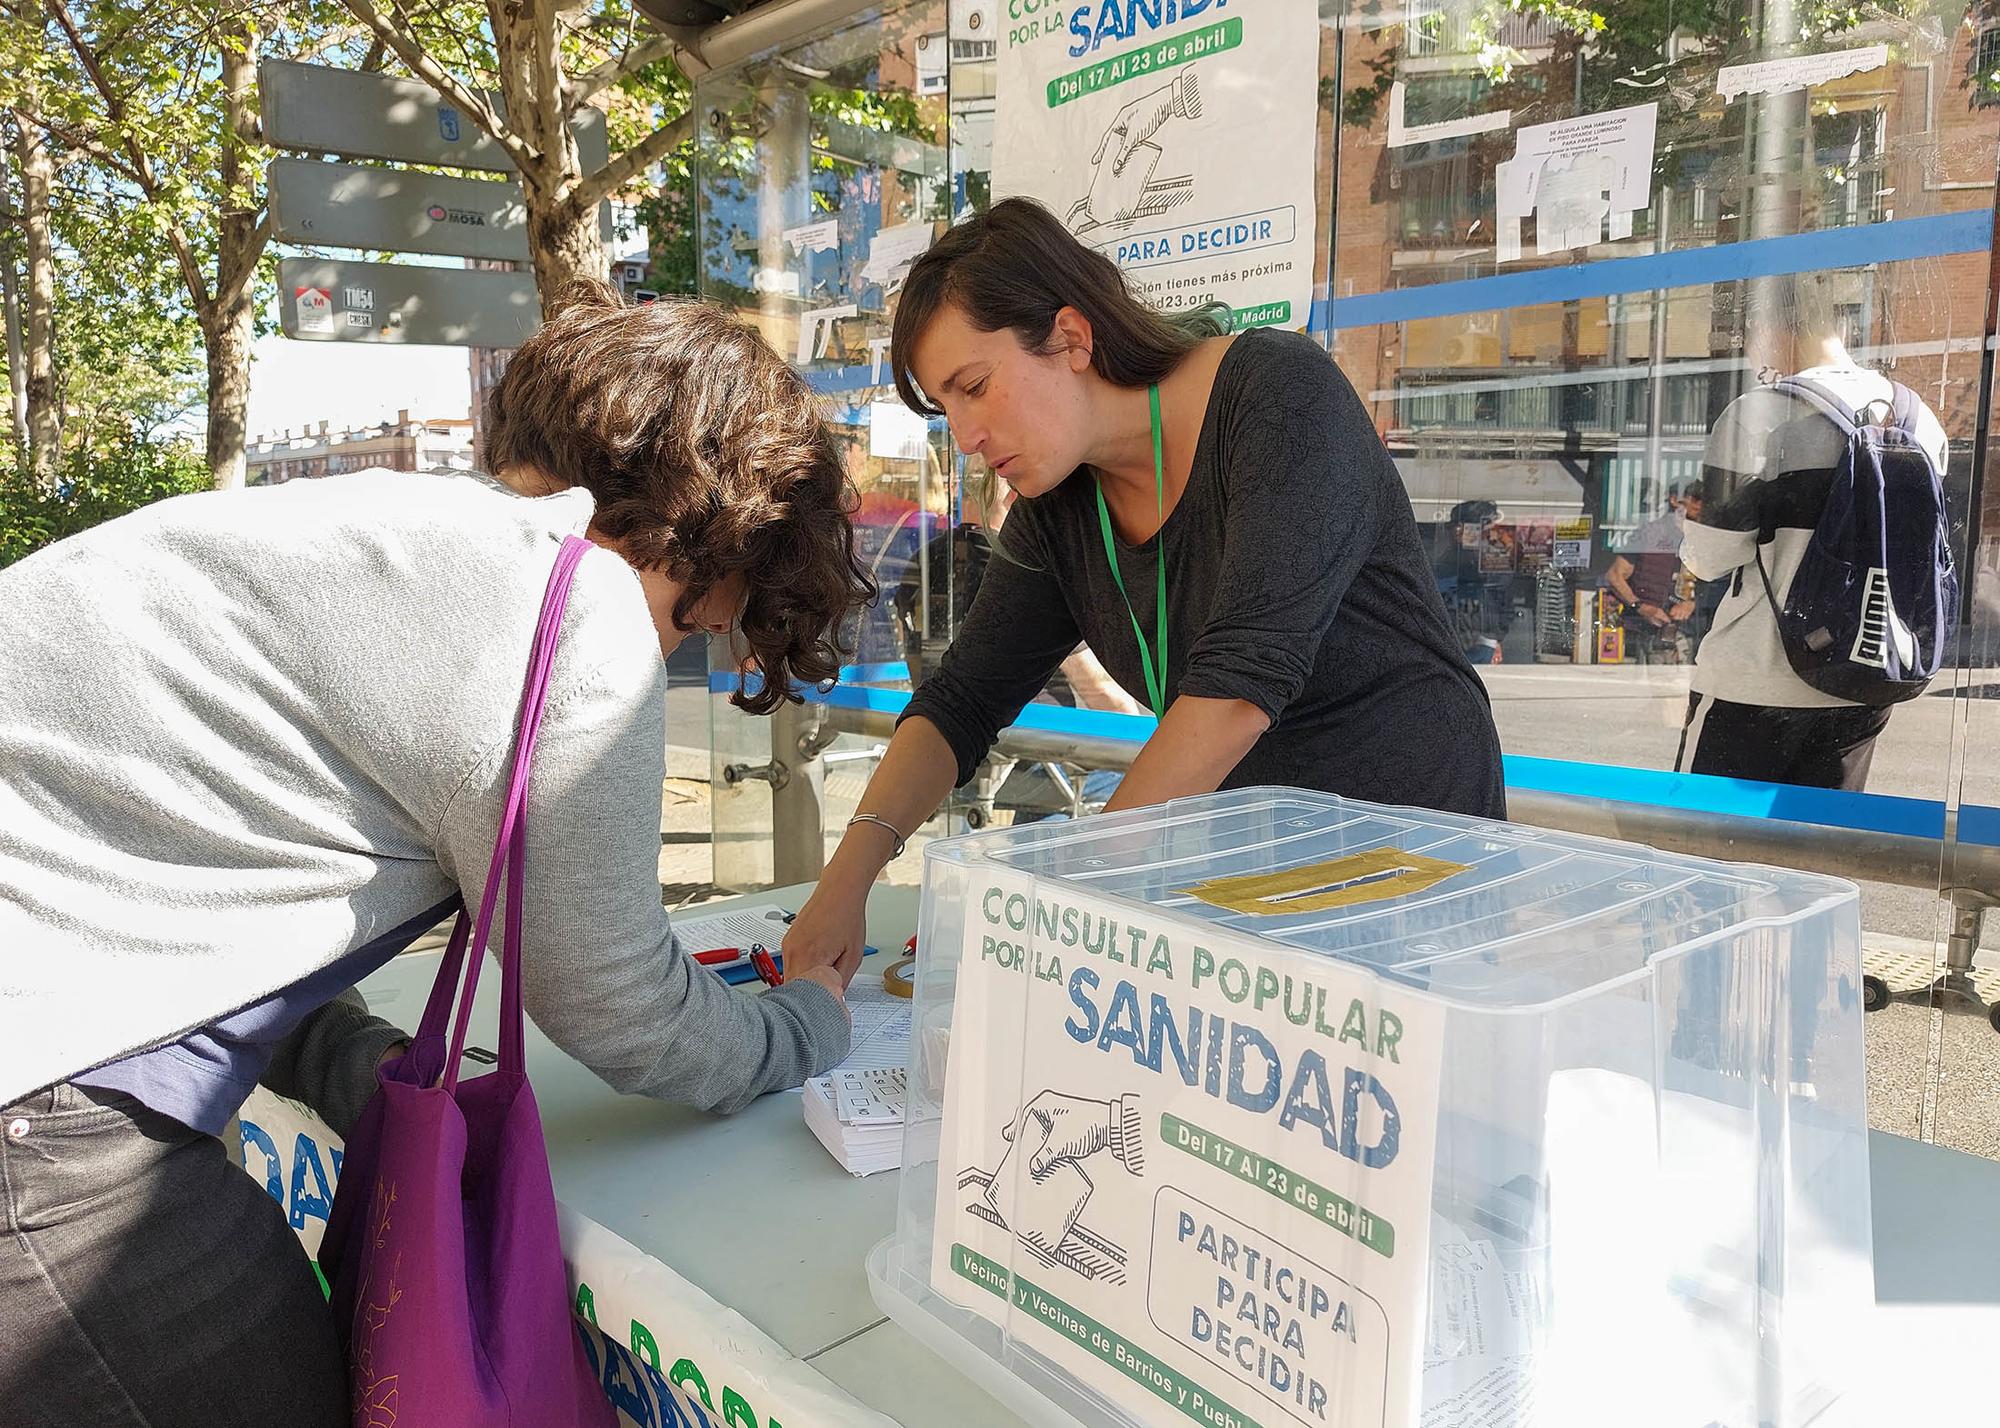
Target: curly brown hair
707,455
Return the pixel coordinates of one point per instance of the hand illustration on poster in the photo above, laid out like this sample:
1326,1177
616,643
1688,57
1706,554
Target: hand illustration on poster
1148,130
1038,1190
1124,182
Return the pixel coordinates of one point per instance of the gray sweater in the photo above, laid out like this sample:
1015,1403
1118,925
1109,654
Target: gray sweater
1295,582
253,742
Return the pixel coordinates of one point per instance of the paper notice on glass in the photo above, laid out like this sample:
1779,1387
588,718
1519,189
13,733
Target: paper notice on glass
816,327
896,433
1481,1393
892,252
1402,134
1580,179
820,237
1781,76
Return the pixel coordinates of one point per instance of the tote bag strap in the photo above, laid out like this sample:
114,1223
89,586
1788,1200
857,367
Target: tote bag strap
510,854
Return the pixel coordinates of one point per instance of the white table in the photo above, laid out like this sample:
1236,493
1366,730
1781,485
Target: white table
752,1209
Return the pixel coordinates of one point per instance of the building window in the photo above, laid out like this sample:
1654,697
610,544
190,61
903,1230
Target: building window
1986,66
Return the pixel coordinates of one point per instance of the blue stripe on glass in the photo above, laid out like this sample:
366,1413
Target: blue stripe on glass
1694,793
1899,240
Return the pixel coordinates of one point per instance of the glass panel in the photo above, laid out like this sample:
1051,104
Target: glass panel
1561,329
1565,331
823,170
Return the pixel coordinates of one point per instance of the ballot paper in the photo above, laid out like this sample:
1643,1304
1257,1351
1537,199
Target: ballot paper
858,1117
1482,1393
881,1039
763,922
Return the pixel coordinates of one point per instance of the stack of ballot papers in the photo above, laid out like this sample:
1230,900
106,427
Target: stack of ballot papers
858,1117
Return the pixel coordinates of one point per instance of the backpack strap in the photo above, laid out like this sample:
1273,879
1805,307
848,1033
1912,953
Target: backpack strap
1823,400
1905,409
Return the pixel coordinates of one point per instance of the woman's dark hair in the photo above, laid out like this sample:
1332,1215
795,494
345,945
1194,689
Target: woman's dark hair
1016,266
707,455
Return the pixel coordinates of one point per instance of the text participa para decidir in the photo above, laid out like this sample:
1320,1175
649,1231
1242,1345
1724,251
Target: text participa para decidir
1264,1303
1222,1057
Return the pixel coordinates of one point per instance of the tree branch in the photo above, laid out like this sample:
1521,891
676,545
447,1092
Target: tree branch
594,82
550,109
410,51
625,167
81,142
231,283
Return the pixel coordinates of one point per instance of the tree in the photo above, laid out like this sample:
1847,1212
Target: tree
160,100
547,61
39,444
156,100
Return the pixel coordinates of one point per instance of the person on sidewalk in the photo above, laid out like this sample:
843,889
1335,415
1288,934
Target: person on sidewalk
1214,515
253,743
1768,468
1645,578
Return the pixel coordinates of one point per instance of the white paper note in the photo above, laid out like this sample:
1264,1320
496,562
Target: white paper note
1401,135
822,237
1578,177
892,252
1781,76
896,433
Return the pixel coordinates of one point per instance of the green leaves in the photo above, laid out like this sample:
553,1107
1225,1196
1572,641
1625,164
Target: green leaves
95,486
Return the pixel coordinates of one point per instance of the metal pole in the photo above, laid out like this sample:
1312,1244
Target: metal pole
798,815
798,802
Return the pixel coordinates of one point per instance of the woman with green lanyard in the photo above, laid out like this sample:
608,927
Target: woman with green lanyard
1214,515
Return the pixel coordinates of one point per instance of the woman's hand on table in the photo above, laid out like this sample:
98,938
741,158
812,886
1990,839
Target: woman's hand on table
827,977
829,935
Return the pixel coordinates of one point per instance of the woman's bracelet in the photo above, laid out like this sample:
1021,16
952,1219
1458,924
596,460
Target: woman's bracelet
881,823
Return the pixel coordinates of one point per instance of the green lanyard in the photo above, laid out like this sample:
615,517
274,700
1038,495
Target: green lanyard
1156,674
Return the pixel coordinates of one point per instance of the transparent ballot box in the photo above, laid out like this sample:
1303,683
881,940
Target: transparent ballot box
1272,1108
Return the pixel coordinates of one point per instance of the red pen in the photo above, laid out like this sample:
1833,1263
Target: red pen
720,956
766,965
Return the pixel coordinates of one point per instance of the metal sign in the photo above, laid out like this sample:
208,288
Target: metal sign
401,210
320,110
325,301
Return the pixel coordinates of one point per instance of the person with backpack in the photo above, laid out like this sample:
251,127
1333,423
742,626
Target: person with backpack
1826,515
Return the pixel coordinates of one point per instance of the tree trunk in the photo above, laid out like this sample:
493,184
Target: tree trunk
228,319
566,245
31,151
563,237
226,336
10,300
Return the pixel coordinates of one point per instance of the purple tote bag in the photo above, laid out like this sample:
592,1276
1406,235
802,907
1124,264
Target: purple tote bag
449,1291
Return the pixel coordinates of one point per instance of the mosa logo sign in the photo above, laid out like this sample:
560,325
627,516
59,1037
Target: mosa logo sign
1374,876
438,213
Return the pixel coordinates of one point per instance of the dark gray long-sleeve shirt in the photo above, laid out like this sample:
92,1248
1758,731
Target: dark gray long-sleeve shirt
1295,581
